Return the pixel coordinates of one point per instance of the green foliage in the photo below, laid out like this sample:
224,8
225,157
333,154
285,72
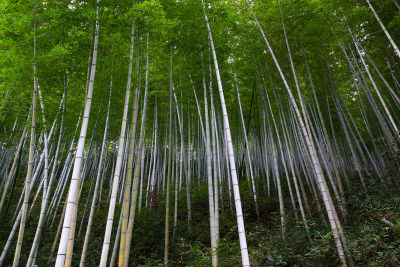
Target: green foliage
64,43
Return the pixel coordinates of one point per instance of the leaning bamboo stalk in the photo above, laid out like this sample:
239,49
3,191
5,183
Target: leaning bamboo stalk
396,49
235,183
211,202
43,211
118,166
13,167
31,147
319,176
128,178
138,161
62,249
98,177
248,157
168,180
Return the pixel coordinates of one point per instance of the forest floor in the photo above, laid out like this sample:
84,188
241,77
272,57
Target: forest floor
372,230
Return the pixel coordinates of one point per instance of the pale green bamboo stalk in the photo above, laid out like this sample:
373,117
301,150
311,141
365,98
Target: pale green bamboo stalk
31,146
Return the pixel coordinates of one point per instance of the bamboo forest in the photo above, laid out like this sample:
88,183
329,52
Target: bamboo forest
199,133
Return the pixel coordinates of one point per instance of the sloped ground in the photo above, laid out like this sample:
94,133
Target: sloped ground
372,231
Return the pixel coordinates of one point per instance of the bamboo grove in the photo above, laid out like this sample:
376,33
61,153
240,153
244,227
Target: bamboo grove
121,106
